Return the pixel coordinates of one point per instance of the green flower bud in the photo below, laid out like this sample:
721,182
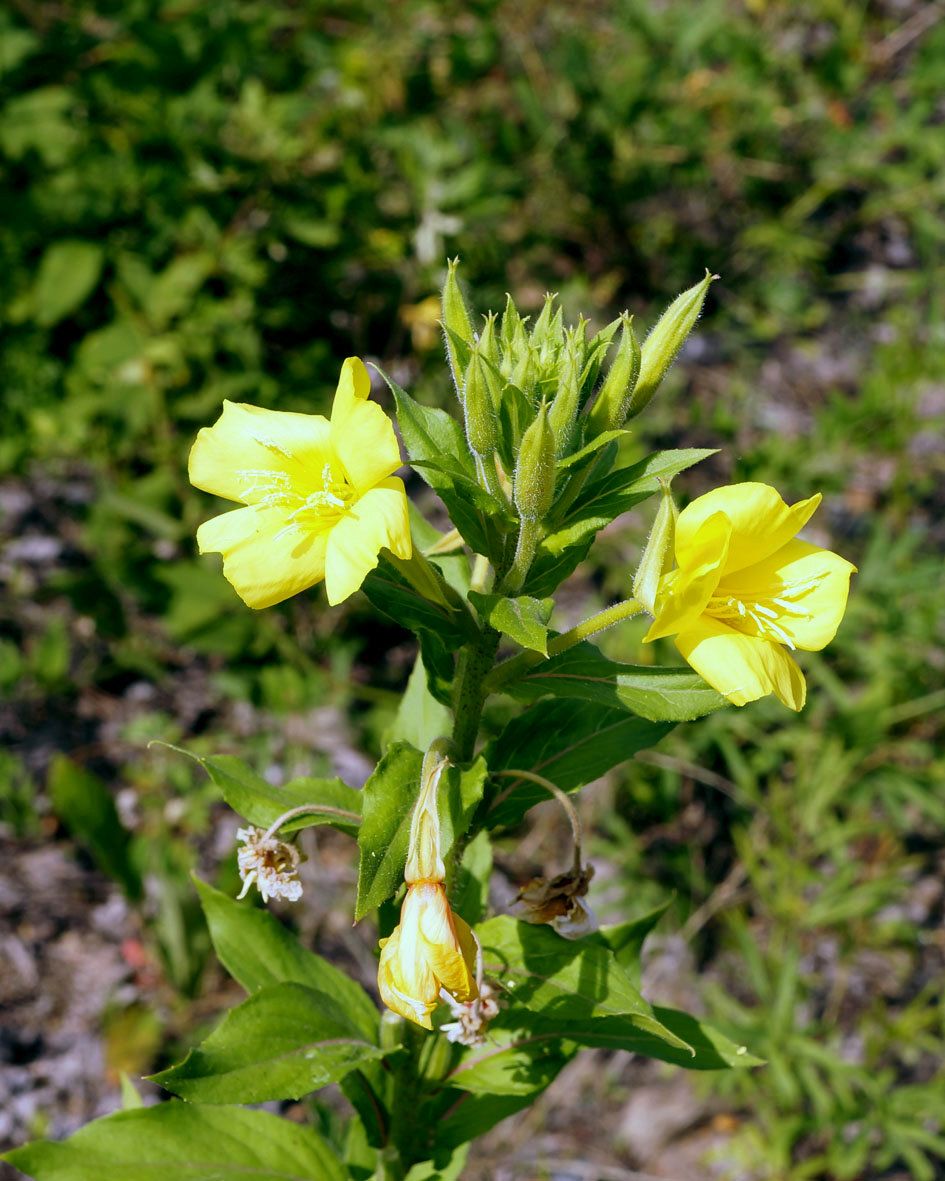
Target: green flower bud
595,351
657,557
488,341
459,330
567,401
525,374
512,329
665,341
547,330
610,409
533,488
478,407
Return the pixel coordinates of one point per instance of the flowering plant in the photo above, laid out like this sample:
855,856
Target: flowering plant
481,1009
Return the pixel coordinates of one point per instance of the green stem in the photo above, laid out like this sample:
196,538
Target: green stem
474,662
529,535
520,664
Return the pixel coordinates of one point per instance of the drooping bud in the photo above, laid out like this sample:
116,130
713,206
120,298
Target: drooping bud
610,409
533,486
458,326
424,863
478,407
657,555
564,408
665,340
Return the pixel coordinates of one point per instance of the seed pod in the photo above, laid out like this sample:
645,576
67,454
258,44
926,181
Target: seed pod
610,409
664,342
533,488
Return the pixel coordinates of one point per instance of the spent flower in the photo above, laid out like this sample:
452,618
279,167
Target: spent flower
269,863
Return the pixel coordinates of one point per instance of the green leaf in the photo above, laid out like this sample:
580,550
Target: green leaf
450,1171
605,499
85,806
569,742
470,893
461,791
283,1042
625,940
389,797
468,1116
68,274
420,717
583,672
564,980
261,803
130,1099
438,449
176,1140
524,620
513,1061
258,951
591,448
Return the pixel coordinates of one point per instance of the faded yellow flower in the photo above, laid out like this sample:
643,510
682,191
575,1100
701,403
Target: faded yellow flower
320,500
745,591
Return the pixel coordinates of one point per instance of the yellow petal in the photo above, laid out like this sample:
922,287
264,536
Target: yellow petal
761,522
685,591
806,586
742,668
265,562
443,949
394,989
231,457
362,436
379,519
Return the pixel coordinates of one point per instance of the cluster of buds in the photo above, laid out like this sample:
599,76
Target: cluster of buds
431,950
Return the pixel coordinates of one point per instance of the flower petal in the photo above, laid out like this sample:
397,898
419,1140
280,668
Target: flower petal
684,592
742,668
416,1005
444,935
362,436
761,522
228,457
379,519
264,561
806,585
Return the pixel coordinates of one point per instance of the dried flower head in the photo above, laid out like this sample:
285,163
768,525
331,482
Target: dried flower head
270,863
473,1017
559,902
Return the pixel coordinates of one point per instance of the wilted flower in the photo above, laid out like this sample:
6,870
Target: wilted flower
270,863
559,902
320,500
431,948
745,590
472,1017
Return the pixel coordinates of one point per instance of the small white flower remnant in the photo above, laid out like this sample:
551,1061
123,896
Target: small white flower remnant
473,1017
270,863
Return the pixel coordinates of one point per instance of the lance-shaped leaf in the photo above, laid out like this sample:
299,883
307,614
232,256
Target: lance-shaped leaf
176,1140
389,797
258,951
569,742
562,979
513,1060
420,717
583,672
606,498
282,1043
252,797
524,619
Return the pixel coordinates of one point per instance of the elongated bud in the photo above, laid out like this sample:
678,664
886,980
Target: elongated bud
512,327
456,321
488,341
567,400
544,331
664,342
657,555
478,408
533,488
424,863
610,409
525,373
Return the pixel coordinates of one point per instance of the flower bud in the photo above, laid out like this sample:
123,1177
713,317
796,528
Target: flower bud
567,401
664,342
513,329
533,487
478,407
657,555
459,330
488,343
525,374
610,408
547,330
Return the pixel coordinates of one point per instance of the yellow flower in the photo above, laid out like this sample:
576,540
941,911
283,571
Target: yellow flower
431,948
320,500
745,590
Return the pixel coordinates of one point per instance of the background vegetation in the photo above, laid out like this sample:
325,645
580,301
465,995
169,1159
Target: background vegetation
207,201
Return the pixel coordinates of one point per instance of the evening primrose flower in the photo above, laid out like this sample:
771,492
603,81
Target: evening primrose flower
745,590
320,500
431,948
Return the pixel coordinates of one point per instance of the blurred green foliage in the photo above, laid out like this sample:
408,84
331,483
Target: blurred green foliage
218,200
